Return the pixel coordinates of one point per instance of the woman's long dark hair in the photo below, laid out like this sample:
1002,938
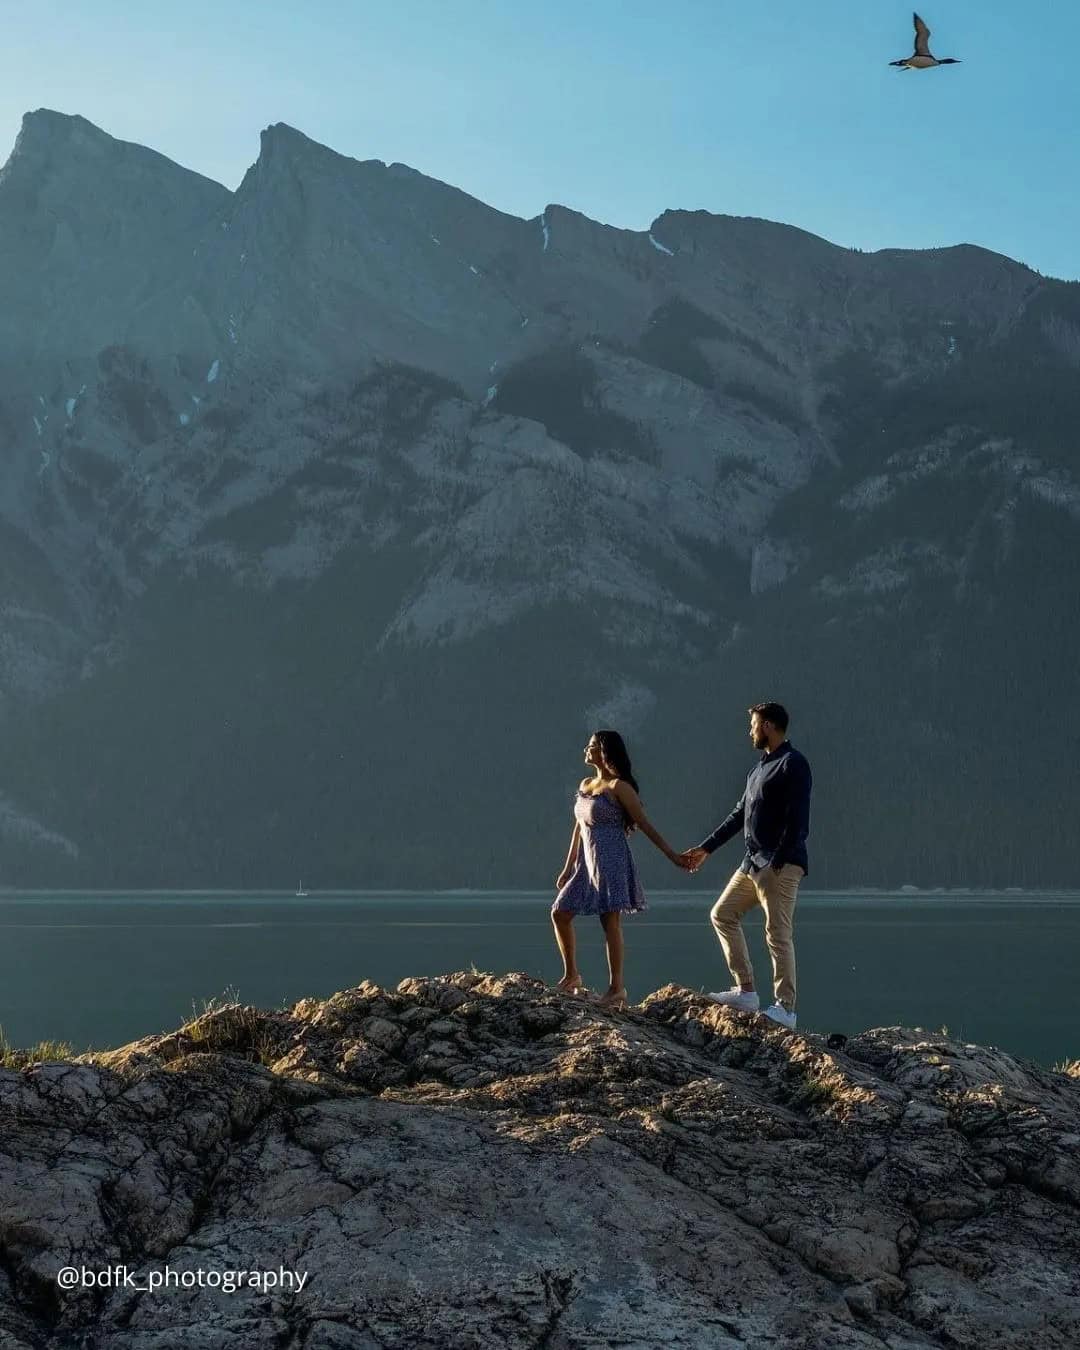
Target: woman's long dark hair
617,757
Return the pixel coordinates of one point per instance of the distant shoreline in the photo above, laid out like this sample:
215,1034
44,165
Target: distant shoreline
461,893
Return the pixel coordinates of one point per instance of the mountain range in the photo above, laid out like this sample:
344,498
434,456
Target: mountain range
337,510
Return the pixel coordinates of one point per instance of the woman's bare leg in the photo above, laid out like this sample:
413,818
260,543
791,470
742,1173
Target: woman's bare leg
613,937
566,938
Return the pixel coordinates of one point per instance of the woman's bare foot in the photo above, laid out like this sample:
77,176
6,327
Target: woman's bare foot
614,998
571,984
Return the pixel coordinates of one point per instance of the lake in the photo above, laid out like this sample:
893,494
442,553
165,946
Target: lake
98,970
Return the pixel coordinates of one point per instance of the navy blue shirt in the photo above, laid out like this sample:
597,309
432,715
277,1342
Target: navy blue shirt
773,812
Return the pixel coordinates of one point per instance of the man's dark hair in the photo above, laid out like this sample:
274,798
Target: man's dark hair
775,713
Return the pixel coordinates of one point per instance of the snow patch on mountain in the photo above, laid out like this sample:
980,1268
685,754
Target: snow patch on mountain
660,248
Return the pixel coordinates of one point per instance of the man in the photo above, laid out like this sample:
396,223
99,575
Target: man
774,816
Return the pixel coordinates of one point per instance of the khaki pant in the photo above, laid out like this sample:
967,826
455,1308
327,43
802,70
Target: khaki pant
775,892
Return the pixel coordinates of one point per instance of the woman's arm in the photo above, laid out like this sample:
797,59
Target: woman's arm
571,857
631,804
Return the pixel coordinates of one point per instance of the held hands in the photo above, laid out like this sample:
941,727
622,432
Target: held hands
690,859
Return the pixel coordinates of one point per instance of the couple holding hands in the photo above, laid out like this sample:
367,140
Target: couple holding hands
600,877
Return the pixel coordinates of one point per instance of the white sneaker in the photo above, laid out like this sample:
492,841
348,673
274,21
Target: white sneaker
736,998
778,1013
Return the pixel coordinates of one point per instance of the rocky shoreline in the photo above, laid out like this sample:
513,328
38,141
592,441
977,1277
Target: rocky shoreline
475,1161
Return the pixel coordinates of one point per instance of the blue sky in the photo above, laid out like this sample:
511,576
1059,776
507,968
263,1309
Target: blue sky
618,108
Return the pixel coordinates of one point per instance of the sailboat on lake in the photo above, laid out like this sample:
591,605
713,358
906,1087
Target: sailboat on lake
300,892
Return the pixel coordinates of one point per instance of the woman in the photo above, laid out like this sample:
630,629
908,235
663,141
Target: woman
600,876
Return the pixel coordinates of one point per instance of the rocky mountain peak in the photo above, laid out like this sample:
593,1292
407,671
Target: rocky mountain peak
47,139
53,145
280,139
45,131
287,157
283,146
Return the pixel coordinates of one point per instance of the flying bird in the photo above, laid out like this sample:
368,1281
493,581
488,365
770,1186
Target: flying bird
921,58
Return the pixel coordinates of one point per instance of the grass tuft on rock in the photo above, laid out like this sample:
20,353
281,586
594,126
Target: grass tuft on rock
11,1057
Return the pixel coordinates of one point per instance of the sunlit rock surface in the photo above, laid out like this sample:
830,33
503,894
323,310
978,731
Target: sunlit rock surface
477,1161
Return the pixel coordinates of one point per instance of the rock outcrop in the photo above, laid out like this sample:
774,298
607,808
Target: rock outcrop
476,1161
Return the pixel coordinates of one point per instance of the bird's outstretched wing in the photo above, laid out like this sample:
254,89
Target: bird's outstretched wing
922,37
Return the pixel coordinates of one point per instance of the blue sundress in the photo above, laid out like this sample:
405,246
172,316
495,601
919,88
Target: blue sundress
604,879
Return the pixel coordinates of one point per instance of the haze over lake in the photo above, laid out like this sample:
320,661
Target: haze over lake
102,969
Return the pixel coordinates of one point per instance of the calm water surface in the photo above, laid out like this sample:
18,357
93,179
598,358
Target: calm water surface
99,970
